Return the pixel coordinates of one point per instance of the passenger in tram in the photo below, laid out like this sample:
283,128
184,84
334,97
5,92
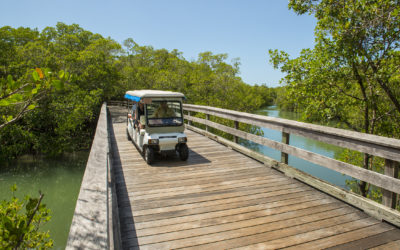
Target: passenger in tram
140,112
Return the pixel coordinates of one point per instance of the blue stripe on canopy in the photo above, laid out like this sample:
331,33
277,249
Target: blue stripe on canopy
131,97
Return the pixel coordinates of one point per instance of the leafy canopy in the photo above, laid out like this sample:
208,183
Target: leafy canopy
56,112
351,77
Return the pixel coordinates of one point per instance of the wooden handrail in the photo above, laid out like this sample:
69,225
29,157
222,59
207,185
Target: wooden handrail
95,223
366,143
89,227
117,103
387,148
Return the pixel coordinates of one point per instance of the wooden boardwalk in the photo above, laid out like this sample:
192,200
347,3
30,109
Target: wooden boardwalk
222,199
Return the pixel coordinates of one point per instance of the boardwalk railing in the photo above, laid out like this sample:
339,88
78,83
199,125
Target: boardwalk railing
117,103
387,148
95,224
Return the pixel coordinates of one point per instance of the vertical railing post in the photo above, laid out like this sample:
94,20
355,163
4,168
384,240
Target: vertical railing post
235,138
207,118
285,139
189,121
391,169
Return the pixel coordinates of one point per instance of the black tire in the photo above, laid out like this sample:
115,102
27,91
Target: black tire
149,155
183,152
128,136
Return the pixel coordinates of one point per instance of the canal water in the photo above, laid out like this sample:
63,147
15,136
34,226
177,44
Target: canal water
325,149
58,179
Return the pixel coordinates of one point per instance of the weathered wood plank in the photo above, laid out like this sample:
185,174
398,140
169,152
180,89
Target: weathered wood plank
200,198
233,211
198,172
222,210
234,205
265,232
364,238
189,190
324,232
192,187
288,211
389,246
257,222
204,179
278,198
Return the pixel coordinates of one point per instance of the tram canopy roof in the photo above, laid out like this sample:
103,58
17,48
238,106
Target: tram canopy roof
137,95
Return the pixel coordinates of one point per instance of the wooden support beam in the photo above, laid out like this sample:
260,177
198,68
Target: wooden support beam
389,198
235,138
207,118
285,140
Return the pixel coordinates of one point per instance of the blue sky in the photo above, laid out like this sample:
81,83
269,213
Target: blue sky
244,29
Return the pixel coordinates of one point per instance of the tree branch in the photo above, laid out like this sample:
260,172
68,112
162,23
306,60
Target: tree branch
344,93
387,90
14,92
19,116
21,238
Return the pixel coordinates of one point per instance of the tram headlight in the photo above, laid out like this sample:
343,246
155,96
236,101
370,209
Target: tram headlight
153,141
182,139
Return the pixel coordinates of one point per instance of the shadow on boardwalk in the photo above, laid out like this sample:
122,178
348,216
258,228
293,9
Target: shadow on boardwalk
117,168
174,161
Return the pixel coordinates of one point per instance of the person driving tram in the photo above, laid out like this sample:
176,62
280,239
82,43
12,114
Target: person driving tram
163,111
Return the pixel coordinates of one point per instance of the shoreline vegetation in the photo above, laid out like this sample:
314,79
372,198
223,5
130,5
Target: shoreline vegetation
66,72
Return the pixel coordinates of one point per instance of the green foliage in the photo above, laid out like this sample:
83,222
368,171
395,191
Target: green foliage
52,86
15,141
70,115
284,102
351,77
18,98
207,81
56,112
20,222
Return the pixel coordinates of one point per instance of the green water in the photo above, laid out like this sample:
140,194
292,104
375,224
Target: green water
59,179
304,143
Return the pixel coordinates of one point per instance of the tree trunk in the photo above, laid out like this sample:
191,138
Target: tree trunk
362,184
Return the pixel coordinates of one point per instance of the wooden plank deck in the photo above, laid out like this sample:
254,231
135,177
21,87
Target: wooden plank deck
222,199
